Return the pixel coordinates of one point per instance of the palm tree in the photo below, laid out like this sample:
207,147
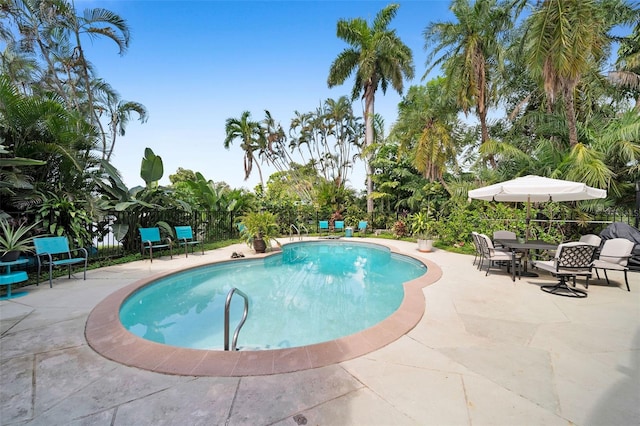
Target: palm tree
118,114
426,127
379,58
251,139
472,54
565,40
627,73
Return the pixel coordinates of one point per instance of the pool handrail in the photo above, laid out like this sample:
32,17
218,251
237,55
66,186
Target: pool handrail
292,227
226,318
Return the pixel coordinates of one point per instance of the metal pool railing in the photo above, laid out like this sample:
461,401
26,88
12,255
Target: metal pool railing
226,319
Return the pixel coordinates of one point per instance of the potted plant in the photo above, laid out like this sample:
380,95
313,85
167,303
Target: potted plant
258,229
422,229
14,240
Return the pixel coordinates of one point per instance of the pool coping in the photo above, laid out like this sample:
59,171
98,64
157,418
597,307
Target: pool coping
107,336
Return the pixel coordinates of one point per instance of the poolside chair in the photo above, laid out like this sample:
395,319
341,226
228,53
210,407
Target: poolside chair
478,247
362,227
338,226
614,256
323,225
150,239
504,235
592,239
495,256
184,236
55,251
572,260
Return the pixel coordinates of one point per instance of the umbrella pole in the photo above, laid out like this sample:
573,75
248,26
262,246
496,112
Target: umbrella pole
527,233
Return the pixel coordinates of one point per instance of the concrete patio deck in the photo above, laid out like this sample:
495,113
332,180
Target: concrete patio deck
488,351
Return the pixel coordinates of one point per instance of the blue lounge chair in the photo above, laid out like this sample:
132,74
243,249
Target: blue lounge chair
184,236
55,251
150,239
362,227
338,226
323,225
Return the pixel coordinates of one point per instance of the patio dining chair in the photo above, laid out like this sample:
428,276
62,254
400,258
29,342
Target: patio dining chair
614,256
592,239
476,244
495,256
338,226
572,260
504,235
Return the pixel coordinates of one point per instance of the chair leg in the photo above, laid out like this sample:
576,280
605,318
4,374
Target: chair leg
562,289
626,280
606,276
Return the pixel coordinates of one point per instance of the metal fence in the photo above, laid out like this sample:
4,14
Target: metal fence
118,231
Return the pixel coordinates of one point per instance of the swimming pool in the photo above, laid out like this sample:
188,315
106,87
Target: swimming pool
309,293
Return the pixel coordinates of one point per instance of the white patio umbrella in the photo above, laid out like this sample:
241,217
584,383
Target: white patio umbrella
537,189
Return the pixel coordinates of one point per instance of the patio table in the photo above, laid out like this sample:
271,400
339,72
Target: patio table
524,247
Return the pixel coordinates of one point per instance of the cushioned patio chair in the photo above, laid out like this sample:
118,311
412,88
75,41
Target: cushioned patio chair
614,256
493,255
572,260
478,247
338,226
184,236
504,235
150,240
592,239
55,251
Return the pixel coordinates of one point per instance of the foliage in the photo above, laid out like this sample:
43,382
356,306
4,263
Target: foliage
251,138
400,229
259,225
145,203
61,215
426,128
422,225
377,57
16,237
46,54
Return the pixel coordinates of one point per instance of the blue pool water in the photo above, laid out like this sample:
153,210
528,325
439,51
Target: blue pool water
310,293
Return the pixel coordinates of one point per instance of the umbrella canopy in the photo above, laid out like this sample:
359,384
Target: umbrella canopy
537,189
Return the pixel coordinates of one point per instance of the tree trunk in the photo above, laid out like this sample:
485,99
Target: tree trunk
482,115
369,99
571,115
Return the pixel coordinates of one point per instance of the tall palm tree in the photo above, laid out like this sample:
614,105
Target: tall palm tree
565,40
378,58
472,53
251,139
426,127
118,113
627,72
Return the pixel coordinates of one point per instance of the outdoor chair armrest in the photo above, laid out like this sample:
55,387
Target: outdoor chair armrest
81,249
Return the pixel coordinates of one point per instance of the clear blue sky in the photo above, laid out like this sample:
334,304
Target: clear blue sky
194,64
